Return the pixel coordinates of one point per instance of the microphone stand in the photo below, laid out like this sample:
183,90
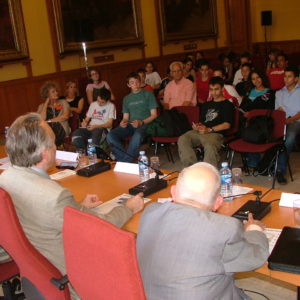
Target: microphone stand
149,186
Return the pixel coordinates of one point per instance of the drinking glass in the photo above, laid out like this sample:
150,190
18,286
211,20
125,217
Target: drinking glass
154,163
296,208
81,158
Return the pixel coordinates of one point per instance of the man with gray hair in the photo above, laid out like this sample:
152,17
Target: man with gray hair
40,201
180,91
188,251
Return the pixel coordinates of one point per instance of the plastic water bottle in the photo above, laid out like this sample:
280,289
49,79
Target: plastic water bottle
91,152
226,181
143,166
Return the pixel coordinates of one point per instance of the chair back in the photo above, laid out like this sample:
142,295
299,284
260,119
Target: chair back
100,258
279,118
236,123
192,113
74,121
35,270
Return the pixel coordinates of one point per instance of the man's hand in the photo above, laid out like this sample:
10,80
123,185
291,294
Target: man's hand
289,121
91,127
195,126
83,124
251,221
202,129
136,123
135,203
124,123
91,201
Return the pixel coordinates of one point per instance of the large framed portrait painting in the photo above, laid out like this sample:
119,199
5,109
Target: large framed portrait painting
100,24
13,44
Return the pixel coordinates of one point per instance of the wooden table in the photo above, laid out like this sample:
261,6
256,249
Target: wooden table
111,184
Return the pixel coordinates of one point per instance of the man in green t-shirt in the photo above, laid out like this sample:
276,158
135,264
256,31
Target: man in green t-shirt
139,109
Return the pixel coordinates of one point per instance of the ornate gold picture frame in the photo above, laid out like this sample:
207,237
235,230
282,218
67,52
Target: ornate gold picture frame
13,45
187,19
100,24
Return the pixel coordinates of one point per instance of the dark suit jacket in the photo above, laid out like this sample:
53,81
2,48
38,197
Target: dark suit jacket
189,253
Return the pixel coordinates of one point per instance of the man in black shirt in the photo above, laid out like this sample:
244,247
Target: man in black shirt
215,118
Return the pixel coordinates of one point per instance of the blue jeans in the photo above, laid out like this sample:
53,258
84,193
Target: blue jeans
115,140
291,132
252,159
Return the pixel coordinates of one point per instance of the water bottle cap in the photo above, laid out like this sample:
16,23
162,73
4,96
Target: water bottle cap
142,152
224,164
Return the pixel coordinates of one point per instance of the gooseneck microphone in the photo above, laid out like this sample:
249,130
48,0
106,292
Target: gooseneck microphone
149,186
258,208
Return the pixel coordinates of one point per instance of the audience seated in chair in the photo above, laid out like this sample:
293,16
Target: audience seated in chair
40,201
152,76
288,100
144,85
276,75
202,81
139,109
75,101
244,58
98,122
244,86
180,91
216,117
96,83
229,91
187,251
55,111
260,96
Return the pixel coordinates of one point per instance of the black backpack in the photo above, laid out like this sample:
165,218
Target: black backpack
175,122
258,130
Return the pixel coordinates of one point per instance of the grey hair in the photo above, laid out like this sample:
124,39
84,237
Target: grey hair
26,140
176,63
205,196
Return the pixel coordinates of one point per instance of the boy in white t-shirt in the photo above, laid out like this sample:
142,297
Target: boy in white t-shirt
98,121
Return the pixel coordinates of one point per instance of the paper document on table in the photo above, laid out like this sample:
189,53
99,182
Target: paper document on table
272,236
107,206
239,190
62,174
67,156
287,199
129,168
4,160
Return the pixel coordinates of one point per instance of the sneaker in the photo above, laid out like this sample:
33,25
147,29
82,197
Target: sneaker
280,178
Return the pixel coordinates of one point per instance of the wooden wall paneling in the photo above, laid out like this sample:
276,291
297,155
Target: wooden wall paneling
238,24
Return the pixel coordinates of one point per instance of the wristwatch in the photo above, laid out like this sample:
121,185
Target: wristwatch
211,129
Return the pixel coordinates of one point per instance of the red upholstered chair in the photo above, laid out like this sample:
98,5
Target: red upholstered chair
193,114
35,270
278,133
100,258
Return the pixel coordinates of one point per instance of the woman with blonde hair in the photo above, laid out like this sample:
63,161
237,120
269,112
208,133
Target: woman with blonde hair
55,111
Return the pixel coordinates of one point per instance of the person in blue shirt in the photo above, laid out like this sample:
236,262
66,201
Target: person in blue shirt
288,100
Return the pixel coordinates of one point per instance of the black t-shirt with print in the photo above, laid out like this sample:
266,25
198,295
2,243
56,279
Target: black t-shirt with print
215,113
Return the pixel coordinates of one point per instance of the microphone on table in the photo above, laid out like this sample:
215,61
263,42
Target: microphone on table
258,208
149,186
98,167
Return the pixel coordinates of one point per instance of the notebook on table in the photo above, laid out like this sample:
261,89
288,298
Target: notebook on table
286,253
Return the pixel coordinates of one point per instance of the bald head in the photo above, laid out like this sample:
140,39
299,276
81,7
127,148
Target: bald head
199,183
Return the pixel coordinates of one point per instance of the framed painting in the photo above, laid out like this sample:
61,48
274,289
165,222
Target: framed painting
100,24
187,19
13,44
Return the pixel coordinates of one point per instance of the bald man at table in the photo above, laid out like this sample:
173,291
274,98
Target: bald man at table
188,251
